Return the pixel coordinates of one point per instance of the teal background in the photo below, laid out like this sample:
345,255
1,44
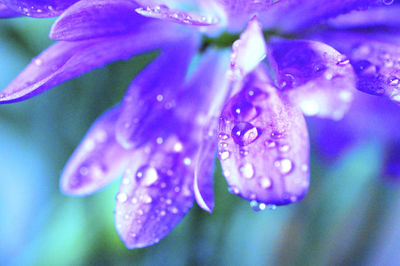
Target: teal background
350,215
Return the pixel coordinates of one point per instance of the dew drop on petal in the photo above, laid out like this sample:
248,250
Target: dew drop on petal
122,197
223,155
244,111
147,175
284,165
247,170
265,183
244,133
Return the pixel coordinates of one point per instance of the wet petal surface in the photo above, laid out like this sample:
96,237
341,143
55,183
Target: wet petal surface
375,59
263,144
98,160
314,75
152,95
91,19
66,60
155,193
41,8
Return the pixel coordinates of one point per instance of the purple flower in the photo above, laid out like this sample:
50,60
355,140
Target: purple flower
193,99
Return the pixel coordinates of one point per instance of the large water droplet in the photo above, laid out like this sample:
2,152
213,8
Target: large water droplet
244,133
147,175
247,170
244,111
284,165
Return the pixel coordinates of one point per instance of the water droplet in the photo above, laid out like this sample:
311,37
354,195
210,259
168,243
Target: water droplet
255,94
256,206
271,207
265,183
244,111
304,168
223,155
160,97
244,133
284,148
387,2
287,81
233,190
284,165
147,175
277,134
394,81
247,170
134,200
38,62
178,147
365,67
187,161
174,210
270,144
223,136
243,152
343,62
122,197
147,199
126,181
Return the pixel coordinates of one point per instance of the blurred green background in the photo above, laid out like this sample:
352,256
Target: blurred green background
350,215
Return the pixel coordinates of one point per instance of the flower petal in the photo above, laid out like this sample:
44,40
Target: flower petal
294,15
152,95
155,194
249,50
209,86
263,144
40,9
91,19
5,12
98,160
316,77
67,60
178,16
381,16
374,57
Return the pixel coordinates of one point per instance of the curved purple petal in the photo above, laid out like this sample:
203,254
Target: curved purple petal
209,86
67,60
98,160
155,193
374,57
152,95
6,12
39,8
294,15
92,19
263,144
314,75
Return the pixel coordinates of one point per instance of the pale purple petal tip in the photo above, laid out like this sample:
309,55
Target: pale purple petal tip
98,160
249,50
263,145
155,193
315,76
91,19
40,9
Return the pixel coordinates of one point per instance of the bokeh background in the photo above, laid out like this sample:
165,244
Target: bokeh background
350,216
